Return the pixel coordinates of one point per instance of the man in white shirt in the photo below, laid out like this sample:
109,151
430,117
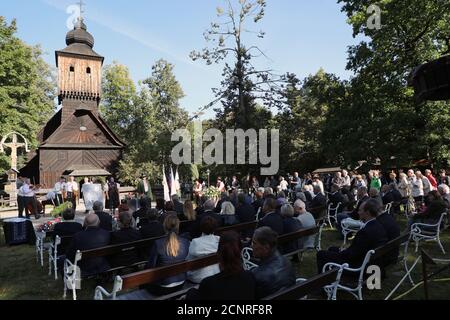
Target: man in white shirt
60,186
72,192
28,195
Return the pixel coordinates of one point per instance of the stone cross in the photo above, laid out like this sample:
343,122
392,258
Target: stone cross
14,145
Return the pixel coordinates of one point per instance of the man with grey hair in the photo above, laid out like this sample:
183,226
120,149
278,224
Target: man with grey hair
92,237
105,218
444,190
274,271
307,221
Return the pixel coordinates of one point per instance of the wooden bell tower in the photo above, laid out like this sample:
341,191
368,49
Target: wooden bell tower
79,72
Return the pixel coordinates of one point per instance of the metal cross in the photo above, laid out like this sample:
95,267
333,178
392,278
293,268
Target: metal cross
81,4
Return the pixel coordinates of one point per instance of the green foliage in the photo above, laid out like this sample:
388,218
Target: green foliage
145,119
379,117
57,212
27,87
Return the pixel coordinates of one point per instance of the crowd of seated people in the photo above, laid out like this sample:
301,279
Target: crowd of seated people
277,213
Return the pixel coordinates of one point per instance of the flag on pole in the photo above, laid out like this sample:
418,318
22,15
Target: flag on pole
166,187
177,183
173,189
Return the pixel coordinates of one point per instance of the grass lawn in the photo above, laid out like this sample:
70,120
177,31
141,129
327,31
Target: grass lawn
22,278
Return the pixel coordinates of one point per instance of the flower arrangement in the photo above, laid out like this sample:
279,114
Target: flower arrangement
57,212
48,226
212,193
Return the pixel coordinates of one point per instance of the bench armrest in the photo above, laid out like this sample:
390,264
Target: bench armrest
101,293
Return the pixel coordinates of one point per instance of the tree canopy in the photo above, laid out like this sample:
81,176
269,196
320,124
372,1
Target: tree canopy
27,88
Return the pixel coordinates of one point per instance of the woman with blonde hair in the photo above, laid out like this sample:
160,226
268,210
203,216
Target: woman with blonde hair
169,250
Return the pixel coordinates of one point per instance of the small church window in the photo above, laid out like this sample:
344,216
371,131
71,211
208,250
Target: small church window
88,70
72,69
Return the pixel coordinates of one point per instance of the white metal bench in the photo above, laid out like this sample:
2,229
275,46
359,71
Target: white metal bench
428,232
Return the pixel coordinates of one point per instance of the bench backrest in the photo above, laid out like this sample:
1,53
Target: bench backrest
116,249
309,286
238,227
289,237
137,279
389,246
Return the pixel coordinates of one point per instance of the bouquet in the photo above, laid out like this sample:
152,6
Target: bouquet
57,212
48,226
212,193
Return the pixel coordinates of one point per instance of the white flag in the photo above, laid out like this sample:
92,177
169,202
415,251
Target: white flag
177,182
166,187
173,189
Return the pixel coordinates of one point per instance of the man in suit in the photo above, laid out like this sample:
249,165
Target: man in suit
92,237
245,211
274,271
351,218
124,235
65,230
392,230
177,205
336,197
386,194
318,204
371,236
105,218
68,227
271,219
153,228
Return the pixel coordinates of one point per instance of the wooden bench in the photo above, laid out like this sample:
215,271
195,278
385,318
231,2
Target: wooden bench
376,257
282,240
304,288
71,270
72,277
135,280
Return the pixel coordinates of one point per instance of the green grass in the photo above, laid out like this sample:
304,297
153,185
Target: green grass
22,278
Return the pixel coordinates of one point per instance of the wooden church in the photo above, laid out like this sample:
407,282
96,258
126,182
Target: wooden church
76,141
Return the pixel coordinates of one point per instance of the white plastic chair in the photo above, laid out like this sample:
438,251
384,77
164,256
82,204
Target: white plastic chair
427,232
356,291
332,213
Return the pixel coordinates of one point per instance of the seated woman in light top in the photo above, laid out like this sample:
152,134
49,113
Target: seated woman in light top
205,245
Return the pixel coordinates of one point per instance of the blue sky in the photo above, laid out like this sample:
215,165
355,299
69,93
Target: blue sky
301,36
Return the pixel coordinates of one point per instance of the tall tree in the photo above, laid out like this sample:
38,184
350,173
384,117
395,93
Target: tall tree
118,106
242,83
154,114
302,119
381,118
27,88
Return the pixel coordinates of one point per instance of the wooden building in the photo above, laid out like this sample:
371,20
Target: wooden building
76,136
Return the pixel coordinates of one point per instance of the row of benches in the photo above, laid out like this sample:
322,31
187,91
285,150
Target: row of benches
138,279
111,250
